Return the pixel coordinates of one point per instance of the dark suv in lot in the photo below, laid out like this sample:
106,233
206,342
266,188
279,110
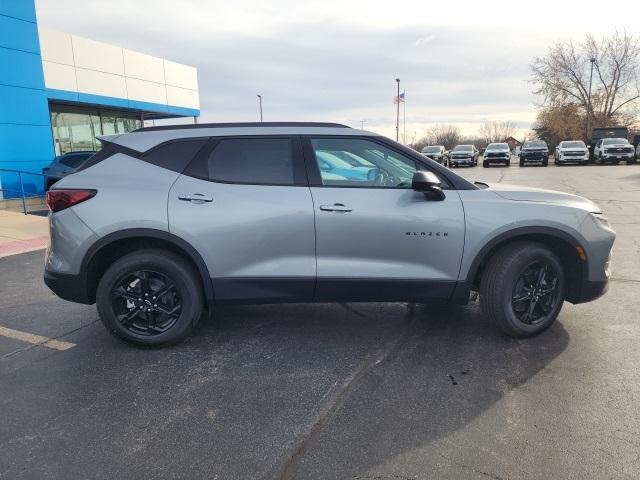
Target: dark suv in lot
534,151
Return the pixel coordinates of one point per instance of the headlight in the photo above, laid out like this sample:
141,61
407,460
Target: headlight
601,220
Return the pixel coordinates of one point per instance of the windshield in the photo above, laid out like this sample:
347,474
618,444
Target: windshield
498,146
576,144
463,148
431,150
612,141
535,144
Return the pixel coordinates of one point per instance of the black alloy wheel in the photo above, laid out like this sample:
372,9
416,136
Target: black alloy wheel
150,297
146,302
535,293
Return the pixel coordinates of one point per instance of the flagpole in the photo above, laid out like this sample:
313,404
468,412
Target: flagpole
398,112
404,118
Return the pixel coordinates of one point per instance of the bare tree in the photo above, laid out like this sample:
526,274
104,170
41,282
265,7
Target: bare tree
493,132
562,77
447,135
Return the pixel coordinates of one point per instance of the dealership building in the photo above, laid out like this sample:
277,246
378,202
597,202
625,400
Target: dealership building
59,91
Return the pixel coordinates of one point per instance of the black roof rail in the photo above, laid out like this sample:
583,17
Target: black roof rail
242,124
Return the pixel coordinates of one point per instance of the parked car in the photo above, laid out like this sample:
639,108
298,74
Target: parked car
613,150
464,155
63,165
534,151
638,151
166,222
496,153
571,151
436,152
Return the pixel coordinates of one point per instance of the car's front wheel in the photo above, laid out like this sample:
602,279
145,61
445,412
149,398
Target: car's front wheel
150,297
522,289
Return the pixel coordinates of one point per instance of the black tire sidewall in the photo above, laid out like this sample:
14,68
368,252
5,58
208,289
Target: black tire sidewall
166,263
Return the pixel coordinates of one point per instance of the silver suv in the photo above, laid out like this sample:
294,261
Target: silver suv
166,222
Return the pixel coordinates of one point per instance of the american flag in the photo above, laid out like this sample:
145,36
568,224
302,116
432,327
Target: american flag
399,99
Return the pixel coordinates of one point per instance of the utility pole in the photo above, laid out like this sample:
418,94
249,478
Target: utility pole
398,111
586,128
260,104
361,124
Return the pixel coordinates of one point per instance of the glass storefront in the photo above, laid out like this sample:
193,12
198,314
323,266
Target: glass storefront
75,128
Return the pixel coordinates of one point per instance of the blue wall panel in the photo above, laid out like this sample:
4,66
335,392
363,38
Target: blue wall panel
103,101
20,68
23,106
19,34
23,9
25,131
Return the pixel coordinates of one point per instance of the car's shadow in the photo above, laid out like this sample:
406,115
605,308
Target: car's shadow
451,369
242,394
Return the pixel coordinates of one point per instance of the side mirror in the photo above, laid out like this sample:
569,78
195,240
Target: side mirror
427,183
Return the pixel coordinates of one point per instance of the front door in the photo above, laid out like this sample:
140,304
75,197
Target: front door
376,238
246,207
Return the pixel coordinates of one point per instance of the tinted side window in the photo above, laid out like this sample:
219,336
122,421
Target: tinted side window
361,163
174,155
253,161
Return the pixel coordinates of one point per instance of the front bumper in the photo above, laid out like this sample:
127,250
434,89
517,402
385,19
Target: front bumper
534,158
68,287
461,161
502,159
618,156
591,290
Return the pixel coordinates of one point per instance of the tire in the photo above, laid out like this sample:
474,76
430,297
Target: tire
508,164
630,162
545,163
485,164
505,277
522,163
178,309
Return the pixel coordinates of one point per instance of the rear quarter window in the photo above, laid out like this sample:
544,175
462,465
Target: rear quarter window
174,155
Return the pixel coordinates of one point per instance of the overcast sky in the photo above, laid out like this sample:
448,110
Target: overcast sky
459,62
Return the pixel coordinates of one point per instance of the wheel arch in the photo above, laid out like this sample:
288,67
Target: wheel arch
117,244
563,244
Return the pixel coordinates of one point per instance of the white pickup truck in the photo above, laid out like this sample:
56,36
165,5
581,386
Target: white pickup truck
613,150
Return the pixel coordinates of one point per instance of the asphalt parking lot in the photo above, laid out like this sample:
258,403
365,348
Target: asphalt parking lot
348,391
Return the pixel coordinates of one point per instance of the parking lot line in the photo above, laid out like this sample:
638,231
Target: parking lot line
36,339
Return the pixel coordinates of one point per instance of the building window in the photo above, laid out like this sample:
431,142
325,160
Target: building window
76,128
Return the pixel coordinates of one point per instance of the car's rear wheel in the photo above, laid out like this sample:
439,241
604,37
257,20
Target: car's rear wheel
522,289
150,297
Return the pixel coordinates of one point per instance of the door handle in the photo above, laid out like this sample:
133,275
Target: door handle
336,207
195,198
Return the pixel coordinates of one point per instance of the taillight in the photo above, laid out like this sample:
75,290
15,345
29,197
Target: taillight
60,199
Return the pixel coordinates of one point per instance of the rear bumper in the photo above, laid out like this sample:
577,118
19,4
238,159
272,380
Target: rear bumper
68,287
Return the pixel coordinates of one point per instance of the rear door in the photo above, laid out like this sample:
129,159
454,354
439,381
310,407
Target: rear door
376,238
244,204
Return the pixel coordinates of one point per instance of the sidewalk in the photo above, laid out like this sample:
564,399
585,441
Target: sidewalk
21,233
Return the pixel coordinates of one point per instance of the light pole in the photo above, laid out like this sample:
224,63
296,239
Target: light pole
586,133
260,104
398,111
